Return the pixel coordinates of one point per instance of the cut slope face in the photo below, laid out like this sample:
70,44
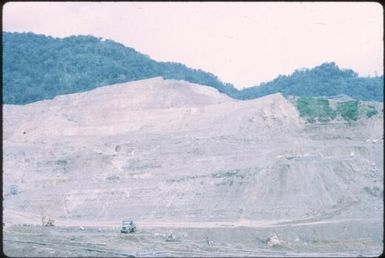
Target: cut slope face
160,150
154,93
154,105
108,109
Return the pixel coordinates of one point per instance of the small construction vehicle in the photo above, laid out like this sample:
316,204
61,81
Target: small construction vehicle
128,226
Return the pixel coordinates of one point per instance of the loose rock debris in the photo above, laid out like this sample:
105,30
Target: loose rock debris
170,238
47,221
274,241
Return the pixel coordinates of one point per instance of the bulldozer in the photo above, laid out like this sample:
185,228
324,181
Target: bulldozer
128,226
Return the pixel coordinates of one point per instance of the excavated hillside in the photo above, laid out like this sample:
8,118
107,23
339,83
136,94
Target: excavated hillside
168,152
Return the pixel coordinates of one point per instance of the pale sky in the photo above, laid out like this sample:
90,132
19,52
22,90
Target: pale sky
243,43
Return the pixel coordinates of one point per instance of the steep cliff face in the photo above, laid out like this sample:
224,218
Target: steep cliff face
164,150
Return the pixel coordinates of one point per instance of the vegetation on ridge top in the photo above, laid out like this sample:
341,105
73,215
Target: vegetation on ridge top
37,67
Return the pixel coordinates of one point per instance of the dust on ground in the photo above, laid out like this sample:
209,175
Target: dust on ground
333,238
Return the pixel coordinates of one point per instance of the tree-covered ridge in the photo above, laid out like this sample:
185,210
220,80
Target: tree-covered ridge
324,80
37,67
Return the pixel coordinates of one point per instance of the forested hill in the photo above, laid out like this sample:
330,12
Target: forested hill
324,80
37,67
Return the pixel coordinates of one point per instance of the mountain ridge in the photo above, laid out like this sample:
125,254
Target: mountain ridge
37,67
326,80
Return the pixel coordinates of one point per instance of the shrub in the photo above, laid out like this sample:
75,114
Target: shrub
371,111
314,109
348,110
61,162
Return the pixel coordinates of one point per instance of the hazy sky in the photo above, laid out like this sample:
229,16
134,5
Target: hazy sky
243,43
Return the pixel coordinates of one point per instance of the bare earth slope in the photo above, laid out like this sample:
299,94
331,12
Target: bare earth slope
171,154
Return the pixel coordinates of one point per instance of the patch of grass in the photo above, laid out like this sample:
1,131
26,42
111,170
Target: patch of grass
348,110
61,162
227,173
315,109
371,111
318,110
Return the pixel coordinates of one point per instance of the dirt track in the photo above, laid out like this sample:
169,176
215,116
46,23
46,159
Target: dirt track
333,238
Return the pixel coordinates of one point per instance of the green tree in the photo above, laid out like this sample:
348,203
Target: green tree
349,110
